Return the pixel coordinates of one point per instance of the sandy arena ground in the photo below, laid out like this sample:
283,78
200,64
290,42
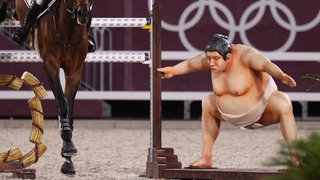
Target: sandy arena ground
122,153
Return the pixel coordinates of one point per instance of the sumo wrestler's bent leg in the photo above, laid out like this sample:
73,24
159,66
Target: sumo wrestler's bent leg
288,127
210,130
279,110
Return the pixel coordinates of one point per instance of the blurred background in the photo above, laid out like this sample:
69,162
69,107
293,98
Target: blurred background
279,29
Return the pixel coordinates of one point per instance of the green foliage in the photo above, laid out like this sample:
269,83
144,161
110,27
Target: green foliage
309,154
314,77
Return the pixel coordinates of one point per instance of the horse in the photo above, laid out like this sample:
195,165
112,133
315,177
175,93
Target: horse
61,40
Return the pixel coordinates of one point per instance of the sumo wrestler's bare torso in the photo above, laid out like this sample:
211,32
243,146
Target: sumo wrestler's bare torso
239,88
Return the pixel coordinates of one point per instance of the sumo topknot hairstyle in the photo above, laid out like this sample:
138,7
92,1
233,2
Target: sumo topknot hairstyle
220,44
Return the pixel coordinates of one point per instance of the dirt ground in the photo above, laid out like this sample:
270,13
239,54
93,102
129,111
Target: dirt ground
122,153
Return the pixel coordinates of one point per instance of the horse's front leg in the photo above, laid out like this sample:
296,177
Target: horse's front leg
72,86
52,70
68,149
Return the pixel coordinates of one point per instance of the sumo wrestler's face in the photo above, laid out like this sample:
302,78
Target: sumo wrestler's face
216,62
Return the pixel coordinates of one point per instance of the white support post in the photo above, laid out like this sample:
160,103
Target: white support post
186,110
304,109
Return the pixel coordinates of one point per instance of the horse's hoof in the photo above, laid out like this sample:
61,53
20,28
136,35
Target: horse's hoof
68,149
68,169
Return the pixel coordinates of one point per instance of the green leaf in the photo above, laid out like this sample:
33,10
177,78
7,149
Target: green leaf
318,75
312,85
310,77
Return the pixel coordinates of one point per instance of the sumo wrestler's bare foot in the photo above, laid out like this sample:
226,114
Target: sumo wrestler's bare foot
202,162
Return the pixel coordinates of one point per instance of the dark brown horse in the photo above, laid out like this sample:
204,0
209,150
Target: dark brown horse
61,40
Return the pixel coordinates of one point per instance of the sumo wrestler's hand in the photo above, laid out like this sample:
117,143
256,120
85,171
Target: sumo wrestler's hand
166,72
288,80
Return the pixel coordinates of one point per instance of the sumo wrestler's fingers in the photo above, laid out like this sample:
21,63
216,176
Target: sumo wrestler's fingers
286,79
165,72
163,75
292,82
161,72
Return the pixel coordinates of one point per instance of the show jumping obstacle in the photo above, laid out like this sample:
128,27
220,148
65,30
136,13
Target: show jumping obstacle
9,160
161,162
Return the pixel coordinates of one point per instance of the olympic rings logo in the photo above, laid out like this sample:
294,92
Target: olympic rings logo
243,25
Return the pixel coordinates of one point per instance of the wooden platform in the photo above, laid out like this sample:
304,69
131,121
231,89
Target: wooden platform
166,165
217,174
17,170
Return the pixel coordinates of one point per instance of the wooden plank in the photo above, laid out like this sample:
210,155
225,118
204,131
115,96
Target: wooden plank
11,165
153,167
17,170
156,60
217,174
26,174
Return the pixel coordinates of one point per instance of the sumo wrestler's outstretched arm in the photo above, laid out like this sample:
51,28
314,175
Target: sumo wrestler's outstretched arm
259,62
190,65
